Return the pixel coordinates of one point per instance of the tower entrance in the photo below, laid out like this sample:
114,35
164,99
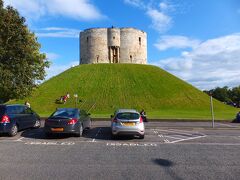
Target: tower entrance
113,54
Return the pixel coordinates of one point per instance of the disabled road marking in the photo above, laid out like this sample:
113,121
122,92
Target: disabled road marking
180,140
132,144
49,143
174,136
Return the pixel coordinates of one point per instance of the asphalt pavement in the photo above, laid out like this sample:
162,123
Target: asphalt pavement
170,150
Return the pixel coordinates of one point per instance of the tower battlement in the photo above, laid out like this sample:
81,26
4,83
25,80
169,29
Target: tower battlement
113,45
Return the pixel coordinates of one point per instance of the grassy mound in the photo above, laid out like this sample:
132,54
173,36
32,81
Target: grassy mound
113,86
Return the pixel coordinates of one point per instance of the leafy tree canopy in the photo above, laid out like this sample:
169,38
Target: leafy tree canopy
227,95
21,63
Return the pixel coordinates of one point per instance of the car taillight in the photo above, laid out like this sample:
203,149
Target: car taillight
141,119
72,121
5,119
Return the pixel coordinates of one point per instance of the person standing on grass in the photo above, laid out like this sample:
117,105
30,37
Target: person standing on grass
238,117
143,115
27,104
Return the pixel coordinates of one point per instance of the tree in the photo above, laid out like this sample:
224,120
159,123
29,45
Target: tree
21,63
222,94
235,95
226,95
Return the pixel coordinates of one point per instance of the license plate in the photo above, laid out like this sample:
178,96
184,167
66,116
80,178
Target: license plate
57,129
129,124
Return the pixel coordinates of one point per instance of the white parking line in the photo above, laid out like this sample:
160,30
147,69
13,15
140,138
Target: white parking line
20,139
166,141
176,131
228,125
179,136
187,139
184,131
98,132
173,137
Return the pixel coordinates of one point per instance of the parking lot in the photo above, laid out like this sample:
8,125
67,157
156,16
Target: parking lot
155,133
170,150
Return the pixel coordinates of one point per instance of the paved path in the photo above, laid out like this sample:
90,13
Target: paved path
169,151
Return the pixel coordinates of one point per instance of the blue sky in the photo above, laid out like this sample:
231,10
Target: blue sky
196,40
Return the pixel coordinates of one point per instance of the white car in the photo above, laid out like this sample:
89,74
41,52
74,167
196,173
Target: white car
127,122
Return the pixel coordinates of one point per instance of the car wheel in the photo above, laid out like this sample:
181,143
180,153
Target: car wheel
37,124
141,137
80,133
14,130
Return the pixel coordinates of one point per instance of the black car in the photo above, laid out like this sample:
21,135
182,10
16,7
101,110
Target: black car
68,120
17,117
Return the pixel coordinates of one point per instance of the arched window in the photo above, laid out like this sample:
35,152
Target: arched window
139,40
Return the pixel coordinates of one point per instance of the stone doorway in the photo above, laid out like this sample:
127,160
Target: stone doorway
113,54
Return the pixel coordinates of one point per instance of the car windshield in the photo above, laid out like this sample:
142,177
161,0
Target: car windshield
128,115
2,110
69,113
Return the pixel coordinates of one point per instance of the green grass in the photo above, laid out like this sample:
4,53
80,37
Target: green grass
114,86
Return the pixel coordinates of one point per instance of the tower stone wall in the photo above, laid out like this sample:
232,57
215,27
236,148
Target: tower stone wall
113,45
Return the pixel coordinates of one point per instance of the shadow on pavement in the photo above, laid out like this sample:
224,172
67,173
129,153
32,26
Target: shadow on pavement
98,133
163,162
39,134
104,133
167,165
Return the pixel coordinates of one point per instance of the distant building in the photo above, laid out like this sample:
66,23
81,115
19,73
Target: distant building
113,45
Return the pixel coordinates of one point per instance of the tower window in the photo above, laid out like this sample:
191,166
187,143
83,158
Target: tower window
87,39
113,37
139,40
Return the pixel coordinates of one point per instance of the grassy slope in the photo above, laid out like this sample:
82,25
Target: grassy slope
113,86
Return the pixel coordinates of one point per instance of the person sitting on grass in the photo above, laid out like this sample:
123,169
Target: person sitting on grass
65,99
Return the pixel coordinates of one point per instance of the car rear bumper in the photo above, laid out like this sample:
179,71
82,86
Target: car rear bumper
73,129
5,127
123,130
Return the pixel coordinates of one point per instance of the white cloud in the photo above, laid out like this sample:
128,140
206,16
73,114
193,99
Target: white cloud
158,14
163,6
178,42
56,69
76,9
58,32
52,56
160,21
136,3
212,63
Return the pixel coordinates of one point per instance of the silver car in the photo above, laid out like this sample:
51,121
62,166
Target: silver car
127,122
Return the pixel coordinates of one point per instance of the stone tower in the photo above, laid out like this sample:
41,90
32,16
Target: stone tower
113,45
